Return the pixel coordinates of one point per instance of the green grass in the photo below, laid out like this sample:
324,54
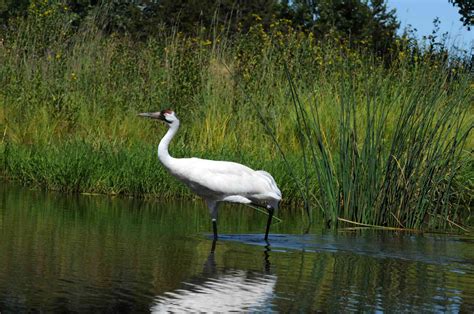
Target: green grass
402,173
341,131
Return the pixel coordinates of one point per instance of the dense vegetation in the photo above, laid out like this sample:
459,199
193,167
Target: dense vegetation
372,134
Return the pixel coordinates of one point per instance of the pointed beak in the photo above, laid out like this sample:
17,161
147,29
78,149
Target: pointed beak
151,115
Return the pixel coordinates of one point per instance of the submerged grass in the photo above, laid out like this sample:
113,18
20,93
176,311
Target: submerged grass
340,130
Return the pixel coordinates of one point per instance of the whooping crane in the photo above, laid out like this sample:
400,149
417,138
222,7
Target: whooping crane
217,181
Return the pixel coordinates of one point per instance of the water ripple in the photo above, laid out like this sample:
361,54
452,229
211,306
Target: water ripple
232,291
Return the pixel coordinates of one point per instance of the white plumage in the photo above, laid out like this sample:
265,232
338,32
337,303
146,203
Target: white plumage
235,291
217,181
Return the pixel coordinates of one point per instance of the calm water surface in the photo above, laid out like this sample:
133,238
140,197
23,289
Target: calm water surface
92,253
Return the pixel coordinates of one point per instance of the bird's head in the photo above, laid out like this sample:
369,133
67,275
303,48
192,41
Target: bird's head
168,116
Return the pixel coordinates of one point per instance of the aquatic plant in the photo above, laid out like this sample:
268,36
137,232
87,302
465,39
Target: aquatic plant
398,150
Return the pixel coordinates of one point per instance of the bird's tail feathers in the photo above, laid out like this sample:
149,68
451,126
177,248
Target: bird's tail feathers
271,182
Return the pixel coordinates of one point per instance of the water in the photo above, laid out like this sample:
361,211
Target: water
93,253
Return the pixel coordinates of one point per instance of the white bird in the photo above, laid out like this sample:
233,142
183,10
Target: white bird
217,181
235,291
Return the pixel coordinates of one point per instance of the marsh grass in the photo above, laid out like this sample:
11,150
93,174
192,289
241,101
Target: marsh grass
399,155
341,131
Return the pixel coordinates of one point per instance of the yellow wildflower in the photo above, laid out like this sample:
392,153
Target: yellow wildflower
257,17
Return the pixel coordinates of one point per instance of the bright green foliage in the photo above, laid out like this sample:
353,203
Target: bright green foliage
398,148
69,101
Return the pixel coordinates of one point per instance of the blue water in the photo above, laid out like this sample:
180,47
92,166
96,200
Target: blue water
70,253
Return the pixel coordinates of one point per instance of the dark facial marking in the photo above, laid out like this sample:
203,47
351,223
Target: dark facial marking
163,117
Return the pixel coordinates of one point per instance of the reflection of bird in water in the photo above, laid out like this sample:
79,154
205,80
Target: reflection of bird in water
234,290
217,181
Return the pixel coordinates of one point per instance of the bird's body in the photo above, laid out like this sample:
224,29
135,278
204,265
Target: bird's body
217,181
224,181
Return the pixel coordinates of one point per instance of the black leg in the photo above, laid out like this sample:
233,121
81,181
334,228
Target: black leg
210,268
214,228
213,247
269,222
266,253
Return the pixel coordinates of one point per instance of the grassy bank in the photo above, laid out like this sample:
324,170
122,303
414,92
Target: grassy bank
70,98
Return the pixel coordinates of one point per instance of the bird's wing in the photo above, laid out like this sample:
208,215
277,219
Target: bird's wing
221,178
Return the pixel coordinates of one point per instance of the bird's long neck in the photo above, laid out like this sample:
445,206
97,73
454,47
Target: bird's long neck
163,154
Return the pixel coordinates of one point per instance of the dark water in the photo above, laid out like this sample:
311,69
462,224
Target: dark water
96,254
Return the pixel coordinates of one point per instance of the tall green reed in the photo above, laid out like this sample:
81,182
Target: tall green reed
399,150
